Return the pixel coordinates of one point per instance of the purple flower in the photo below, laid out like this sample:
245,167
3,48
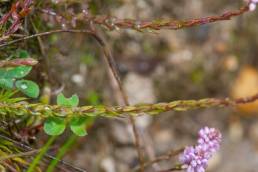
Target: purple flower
195,158
210,139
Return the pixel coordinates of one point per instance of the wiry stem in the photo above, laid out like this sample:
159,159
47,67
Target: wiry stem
114,23
45,34
167,156
111,63
44,111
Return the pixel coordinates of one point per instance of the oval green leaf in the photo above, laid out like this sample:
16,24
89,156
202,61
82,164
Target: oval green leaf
27,87
78,126
18,72
70,102
54,126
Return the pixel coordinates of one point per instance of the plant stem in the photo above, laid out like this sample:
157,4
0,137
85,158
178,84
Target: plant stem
71,140
37,159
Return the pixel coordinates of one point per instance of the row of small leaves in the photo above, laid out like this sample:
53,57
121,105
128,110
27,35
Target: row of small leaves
56,125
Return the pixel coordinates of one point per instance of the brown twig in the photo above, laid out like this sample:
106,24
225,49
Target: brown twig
167,156
112,65
45,34
114,23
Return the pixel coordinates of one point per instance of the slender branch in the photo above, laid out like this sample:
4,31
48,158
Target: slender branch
44,34
114,23
44,111
167,156
112,65
41,154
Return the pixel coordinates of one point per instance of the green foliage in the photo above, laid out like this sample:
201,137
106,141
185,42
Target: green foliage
61,152
6,83
69,102
43,151
17,72
27,87
6,96
54,126
78,125
10,78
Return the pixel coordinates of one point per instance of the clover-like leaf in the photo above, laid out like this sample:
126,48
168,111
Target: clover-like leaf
54,126
78,126
18,72
27,87
70,102
6,83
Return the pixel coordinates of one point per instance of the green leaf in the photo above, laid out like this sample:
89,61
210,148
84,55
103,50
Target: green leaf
6,83
70,102
78,126
18,72
54,126
29,88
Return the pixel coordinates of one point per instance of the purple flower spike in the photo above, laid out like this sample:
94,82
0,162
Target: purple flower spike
209,138
195,158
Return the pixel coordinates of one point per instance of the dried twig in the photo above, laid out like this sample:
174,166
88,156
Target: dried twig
114,23
167,156
45,34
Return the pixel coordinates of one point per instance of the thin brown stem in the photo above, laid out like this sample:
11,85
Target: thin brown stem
44,34
112,65
167,156
114,23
